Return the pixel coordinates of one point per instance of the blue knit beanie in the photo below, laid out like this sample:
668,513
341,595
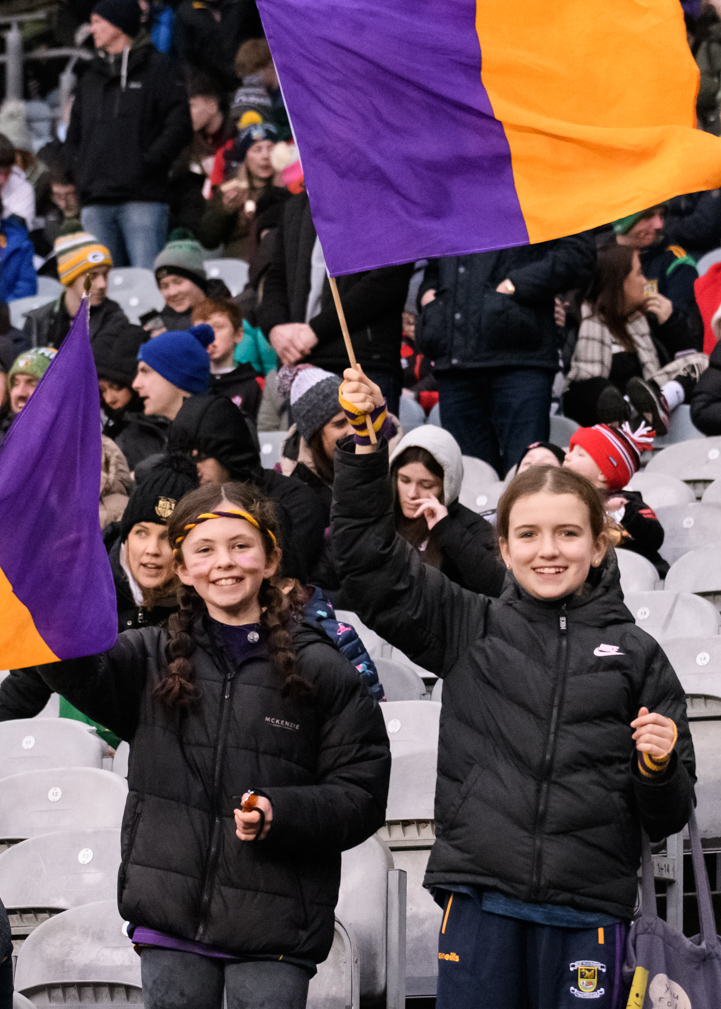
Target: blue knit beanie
180,356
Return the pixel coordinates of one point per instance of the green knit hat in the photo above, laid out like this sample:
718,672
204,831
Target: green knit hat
624,224
182,257
33,362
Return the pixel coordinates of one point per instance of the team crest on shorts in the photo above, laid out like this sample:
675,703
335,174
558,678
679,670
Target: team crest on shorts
588,978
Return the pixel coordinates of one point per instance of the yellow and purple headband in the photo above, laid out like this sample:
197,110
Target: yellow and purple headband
233,513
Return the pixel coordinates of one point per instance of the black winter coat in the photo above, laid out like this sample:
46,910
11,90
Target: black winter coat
676,275
537,793
48,325
470,555
323,764
706,396
471,325
125,134
372,301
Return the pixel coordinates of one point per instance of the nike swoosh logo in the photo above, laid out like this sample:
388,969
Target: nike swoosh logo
605,650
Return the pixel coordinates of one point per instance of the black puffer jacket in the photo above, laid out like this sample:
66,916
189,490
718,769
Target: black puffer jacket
471,325
324,765
706,396
48,325
470,555
537,791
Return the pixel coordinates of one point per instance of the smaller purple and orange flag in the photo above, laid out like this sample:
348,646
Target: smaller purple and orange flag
57,597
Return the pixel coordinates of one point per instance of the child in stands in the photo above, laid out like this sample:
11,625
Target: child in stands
237,700
239,383
563,731
608,458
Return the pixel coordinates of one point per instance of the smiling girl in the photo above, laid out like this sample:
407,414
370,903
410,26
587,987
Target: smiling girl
563,731
237,696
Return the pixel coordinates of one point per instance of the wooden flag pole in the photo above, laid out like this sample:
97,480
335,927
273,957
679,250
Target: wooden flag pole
348,345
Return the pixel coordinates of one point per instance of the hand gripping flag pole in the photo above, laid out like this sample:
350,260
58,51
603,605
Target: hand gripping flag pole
348,344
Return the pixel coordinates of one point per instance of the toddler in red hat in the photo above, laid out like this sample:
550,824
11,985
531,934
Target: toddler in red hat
609,457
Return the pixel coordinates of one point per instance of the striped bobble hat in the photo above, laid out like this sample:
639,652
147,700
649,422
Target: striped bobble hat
78,253
313,395
616,452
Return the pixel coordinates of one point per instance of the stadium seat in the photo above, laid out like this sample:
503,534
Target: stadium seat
21,306
337,983
660,489
688,526
400,682
712,494
437,693
38,802
667,615
49,287
680,428
697,662
20,1002
120,760
562,429
80,957
413,733
52,872
372,642
411,414
696,462
135,290
478,470
706,736
481,496
29,744
637,573
271,444
707,261
698,571
233,273
434,417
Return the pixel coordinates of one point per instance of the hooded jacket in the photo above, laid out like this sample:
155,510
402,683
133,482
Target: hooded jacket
216,429
323,763
48,325
538,794
130,120
466,540
17,273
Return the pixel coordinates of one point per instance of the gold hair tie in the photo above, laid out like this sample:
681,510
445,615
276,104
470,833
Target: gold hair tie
233,513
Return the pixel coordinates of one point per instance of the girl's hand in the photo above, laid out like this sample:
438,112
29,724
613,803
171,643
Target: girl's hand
246,824
433,510
654,733
358,389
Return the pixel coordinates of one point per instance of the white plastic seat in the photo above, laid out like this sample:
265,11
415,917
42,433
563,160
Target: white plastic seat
400,682
478,470
707,261
562,430
660,489
698,571
21,306
481,496
120,760
30,744
706,737
413,734
697,662
50,287
687,527
271,444
135,290
680,428
38,802
697,462
667,615
233,273
82,956
337,983
20,1002
437,693
637,573
712,494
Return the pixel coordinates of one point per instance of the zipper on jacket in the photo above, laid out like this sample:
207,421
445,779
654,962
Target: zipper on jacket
550,751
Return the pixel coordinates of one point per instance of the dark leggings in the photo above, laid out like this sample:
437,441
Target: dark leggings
174,980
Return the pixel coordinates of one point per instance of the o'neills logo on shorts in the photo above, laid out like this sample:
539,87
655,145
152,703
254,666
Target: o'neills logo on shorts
280,723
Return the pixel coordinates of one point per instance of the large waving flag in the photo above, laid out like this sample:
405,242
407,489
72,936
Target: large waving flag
441,127
57,598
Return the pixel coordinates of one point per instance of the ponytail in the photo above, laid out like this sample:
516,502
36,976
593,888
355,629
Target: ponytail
278,611
177,688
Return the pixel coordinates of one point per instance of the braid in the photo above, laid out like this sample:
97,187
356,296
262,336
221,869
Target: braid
278,610
177,689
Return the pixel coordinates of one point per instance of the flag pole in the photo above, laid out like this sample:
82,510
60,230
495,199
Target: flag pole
348,345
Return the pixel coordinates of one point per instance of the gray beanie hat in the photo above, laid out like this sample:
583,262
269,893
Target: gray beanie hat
313,396
182,258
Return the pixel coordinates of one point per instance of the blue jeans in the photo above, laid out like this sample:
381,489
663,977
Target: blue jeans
495,413
134,232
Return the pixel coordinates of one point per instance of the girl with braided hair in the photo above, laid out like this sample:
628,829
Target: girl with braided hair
257,756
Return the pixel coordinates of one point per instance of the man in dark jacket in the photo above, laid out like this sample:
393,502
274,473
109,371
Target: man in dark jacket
693,221
130,120
706,396
298,316
209,32
488,328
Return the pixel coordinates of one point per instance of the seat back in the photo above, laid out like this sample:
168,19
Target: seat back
362,904
696,462
478,470
423,922
413,733
20,307
337,983
233,273
697,662
480,496
38,802
637,573
706,737
660,489
712,494
687,527
673,614
681,428
120,760
80,956
135,289
400,682
30,744
49,287
562,430
698,571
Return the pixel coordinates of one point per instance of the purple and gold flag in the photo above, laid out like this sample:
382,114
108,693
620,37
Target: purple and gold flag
57,597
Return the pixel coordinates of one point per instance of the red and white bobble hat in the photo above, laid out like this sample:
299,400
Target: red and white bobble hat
617,453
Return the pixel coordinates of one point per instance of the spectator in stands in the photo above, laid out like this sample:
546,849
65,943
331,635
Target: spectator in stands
16,193
146,585
419,382
426,477
247,178
214,435
17,273
130,121
182,281
541,453
115,483
537,729
694,222
707,52
64,214
208,33
615,363
260,91
237,382
672,310
609,457
298,316
14,125
200,730
24,375
706,396
80,257
488,325
172,367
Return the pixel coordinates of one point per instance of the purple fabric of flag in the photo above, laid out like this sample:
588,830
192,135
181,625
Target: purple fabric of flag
51,547
421,186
